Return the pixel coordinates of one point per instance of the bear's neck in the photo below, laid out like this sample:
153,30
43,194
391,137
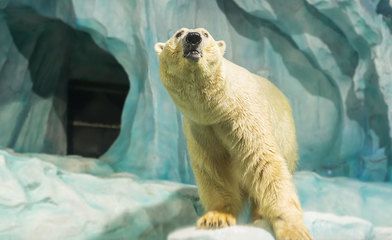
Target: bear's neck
199,94
197,79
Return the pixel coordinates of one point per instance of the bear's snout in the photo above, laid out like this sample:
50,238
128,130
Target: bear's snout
192,46
193,38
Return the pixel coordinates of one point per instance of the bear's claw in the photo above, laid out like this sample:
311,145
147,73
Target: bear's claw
215,219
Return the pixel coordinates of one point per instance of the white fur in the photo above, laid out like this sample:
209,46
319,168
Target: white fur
240,134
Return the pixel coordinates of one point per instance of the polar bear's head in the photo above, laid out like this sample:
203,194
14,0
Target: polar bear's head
190,48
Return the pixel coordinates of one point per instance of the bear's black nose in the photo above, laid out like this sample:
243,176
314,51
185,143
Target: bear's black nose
193,38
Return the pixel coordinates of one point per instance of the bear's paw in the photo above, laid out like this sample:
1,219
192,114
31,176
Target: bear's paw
215,219
287,231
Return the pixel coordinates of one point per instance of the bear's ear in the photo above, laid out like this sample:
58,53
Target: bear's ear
159,47
222,46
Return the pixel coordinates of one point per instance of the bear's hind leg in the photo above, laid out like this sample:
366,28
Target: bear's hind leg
255,211
273,193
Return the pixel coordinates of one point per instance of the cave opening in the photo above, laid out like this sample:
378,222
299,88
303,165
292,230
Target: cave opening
94,116
83,87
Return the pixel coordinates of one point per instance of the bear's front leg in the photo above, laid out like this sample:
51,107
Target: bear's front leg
273,193
219,192
220,199
221,204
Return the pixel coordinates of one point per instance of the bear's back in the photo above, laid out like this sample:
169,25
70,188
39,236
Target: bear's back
268,101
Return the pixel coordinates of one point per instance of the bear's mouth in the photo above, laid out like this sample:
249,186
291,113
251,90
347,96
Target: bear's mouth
193,54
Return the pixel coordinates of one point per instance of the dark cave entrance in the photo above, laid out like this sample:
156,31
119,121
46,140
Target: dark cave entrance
85,83
94,116
97,88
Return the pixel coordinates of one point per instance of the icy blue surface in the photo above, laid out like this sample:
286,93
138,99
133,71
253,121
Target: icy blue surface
331,58
41,197
321,225
41,201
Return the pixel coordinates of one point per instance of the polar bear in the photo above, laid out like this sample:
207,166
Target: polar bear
240,134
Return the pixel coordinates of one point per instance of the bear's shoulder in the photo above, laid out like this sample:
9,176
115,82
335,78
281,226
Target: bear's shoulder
244,82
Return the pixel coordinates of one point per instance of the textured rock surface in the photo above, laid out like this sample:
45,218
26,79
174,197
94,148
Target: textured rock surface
322,226
331,58
232,233
40,201
43,198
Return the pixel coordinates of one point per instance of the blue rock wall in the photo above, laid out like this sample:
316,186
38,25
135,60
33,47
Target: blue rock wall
332,59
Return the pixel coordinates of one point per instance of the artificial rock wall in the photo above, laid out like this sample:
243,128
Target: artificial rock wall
331,58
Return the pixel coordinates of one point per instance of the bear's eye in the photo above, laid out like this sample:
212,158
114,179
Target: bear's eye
205,34
179,34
